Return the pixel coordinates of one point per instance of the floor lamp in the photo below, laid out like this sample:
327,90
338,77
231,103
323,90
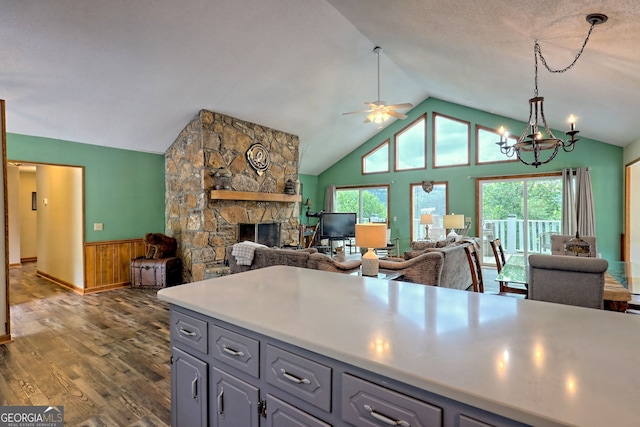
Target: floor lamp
371,236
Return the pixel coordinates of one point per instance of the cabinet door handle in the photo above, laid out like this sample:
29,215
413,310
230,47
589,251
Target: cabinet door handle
221,401
231,351
183,331
294,378
383,418
194,388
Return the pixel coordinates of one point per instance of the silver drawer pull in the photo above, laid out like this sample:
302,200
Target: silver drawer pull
383,418
232,351
194,388
183,331
293,378
221,401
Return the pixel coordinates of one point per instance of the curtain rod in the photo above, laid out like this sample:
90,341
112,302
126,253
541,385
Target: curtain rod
550,173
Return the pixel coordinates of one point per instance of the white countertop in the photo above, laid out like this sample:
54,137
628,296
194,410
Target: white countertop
536,362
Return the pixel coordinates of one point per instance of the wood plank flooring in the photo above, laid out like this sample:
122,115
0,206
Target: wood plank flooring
103,356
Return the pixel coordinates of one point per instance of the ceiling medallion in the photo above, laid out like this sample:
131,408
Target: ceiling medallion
258,158
537,135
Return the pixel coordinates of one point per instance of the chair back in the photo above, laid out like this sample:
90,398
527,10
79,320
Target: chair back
475,264
558,241
567,280
498,254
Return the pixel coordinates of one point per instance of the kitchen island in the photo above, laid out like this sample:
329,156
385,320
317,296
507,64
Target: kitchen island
433,355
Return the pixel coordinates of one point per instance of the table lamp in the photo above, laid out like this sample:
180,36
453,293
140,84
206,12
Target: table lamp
453,221
371,236
426,219
308,205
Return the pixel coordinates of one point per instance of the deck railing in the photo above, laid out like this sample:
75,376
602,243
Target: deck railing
512,233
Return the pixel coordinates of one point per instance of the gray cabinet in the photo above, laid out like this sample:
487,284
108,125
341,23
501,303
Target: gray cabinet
189,390
256,380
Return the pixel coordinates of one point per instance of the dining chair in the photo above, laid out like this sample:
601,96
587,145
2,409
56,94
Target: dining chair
498,253
475,265
567,280
558,241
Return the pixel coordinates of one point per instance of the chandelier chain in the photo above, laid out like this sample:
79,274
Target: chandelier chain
537,52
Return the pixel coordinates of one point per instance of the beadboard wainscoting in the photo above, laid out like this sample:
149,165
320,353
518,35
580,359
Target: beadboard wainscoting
107,264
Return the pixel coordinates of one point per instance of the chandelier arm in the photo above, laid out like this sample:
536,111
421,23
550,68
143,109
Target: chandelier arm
553,70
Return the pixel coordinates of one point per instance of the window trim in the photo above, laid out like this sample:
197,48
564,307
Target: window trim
399,134
488,129
435,115
379,147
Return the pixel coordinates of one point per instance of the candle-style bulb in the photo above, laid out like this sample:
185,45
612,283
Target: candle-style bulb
572,122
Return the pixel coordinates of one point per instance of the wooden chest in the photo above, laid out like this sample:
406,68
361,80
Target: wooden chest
155,273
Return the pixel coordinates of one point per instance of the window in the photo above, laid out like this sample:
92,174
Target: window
376,160
522,212
410,146
450,141
487,151
371,203
434,203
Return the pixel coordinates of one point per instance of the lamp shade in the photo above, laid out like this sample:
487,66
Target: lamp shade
371,235
426,219
454,221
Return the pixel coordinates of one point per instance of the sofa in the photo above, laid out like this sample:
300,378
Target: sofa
455,273
305,258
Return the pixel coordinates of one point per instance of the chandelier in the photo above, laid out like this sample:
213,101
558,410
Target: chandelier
537,137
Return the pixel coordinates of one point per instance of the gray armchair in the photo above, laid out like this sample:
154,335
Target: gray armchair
425,269
567,280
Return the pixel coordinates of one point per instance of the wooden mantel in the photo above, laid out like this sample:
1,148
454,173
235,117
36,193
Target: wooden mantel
255,196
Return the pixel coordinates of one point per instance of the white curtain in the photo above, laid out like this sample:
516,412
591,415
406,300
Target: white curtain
569,219
585,211
330,202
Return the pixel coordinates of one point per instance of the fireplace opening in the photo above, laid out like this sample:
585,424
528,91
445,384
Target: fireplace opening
265,233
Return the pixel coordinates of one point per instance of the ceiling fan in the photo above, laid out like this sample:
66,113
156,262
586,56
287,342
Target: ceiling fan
378,111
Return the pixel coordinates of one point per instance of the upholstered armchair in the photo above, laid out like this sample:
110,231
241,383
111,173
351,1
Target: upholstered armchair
323,262
567,280
425,269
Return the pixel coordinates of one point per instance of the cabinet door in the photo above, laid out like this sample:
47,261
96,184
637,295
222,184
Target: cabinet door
235,403
188,390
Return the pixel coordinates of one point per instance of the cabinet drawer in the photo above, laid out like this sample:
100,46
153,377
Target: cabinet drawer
280,414
368,404
471,422
299,376
188,330
236,350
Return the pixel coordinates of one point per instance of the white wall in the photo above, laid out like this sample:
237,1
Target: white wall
28,217
13,193
4,305
60,223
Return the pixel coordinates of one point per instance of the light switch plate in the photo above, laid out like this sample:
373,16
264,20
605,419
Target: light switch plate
97,226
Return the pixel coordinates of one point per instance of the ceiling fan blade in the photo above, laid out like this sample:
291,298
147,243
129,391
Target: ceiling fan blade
405,105
396,114
356,112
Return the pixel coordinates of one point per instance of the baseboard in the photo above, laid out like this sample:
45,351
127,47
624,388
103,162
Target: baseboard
29,259
60,282
5,339
15,265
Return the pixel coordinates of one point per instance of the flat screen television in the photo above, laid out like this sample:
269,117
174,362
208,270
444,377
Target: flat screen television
337,225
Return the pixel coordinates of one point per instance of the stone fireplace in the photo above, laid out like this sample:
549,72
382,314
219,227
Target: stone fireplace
211,188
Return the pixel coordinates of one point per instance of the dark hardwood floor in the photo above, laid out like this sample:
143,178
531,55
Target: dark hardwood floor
104,356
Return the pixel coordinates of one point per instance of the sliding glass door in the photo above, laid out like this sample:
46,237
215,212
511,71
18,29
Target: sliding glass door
522,212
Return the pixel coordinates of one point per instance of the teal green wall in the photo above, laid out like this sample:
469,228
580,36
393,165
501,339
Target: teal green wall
123,189
309,191
604,160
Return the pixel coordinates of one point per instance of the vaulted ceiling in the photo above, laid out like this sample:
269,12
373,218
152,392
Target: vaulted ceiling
131,74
